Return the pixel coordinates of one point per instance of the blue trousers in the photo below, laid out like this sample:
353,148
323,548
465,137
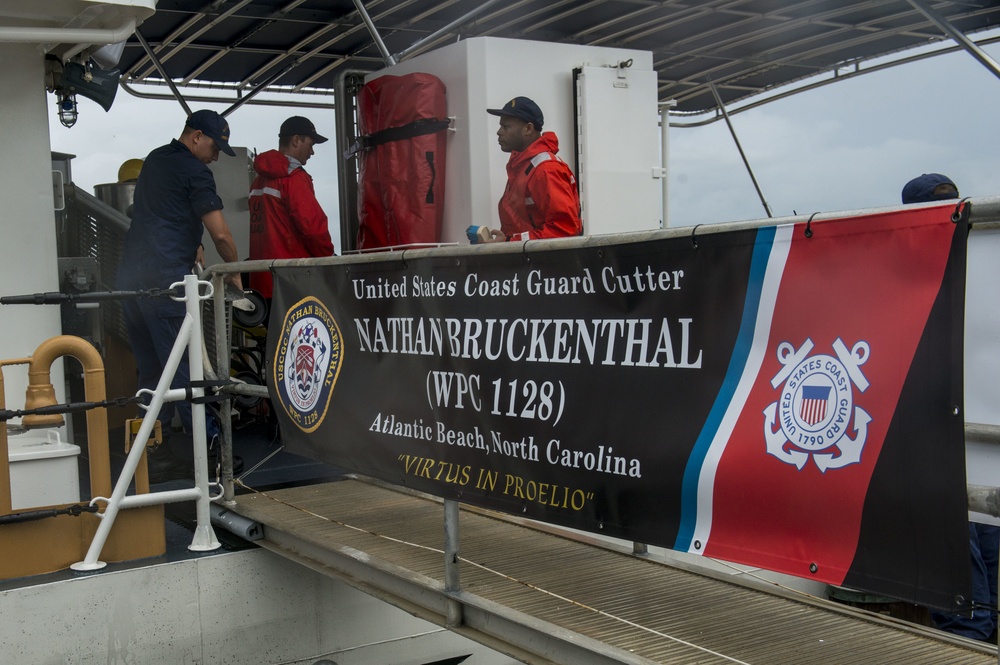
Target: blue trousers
152,332
984,547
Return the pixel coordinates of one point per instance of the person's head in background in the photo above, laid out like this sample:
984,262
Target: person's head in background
929,187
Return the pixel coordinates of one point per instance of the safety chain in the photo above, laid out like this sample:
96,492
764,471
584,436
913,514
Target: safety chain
71,407
57,297
120,402
75,510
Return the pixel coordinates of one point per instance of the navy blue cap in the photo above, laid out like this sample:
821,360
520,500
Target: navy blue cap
921,189
300,126
523,108
213,125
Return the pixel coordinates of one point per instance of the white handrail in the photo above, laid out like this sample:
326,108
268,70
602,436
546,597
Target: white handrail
188,338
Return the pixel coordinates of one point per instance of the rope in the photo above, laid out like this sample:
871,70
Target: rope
497,573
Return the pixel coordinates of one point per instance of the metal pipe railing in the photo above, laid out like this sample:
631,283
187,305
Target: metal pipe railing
739,148
985,216
970,46
452,581
163,73
443,30
41,392
983,433
190,339
50,35
223,352
100,210
373,31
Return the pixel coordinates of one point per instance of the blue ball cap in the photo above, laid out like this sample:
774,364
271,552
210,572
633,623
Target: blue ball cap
299,126
921,189
523,108
213,125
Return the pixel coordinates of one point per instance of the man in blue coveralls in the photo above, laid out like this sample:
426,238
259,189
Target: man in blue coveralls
175,201
984,539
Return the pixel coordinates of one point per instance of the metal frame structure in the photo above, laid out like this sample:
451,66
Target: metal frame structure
744,48
190,339
714,59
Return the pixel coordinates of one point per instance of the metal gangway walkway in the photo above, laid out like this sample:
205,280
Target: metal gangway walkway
546,598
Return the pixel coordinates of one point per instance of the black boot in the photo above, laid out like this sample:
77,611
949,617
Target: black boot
215,456
164,466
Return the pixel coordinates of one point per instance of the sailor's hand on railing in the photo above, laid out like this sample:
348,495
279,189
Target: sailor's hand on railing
235,295
236,279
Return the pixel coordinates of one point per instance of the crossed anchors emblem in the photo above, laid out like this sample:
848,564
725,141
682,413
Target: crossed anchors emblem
815,409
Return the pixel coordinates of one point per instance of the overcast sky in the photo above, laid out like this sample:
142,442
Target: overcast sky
852,144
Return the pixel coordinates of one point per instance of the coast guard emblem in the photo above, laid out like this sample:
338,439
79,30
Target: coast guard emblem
307,361
815,410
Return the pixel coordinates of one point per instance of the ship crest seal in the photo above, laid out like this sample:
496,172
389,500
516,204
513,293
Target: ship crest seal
307,361
815,415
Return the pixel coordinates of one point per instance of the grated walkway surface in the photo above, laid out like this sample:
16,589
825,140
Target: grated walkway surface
643,611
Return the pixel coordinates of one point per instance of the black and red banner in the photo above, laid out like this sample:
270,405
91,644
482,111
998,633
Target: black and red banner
771,397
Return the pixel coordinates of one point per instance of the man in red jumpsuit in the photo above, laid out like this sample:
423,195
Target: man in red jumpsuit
541,200
286,220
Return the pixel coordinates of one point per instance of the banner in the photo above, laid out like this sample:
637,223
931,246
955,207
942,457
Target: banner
788,397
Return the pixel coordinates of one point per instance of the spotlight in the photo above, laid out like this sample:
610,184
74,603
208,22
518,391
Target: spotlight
66,103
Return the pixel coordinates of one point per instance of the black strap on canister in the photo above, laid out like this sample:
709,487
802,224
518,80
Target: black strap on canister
420,127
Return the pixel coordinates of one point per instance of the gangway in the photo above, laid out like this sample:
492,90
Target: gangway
542,596
546,598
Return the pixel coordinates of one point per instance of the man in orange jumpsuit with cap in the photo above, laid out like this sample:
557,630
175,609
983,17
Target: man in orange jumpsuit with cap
541,199
286,220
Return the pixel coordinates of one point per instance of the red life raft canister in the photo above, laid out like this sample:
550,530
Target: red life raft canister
402,122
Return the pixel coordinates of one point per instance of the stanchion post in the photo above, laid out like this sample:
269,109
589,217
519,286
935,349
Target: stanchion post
204,535
452,582
222,356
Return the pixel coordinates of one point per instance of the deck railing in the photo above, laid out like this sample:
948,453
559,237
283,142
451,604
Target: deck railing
190,339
